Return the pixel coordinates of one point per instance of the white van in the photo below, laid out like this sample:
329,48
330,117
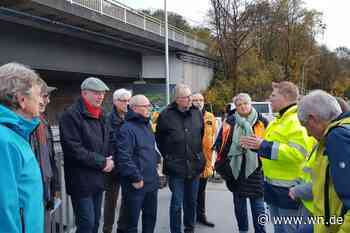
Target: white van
262,107
265,109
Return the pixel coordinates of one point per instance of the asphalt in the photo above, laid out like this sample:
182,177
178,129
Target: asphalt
219,211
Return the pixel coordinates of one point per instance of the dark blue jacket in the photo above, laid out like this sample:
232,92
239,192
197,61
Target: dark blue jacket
114,122
338,151
137,156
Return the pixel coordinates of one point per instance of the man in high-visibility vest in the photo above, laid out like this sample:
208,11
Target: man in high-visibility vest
207,145
320,113
284,148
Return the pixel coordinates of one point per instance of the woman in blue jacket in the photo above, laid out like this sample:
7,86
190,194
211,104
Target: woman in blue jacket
21,192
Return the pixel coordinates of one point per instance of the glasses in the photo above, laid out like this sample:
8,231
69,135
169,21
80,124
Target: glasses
97,93
123,101
197,100
184,97
149,106
46,96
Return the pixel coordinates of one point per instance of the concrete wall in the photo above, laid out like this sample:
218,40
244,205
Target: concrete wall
52,51
197,76
154,67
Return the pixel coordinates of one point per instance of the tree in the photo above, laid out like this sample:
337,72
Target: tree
174,19
235,23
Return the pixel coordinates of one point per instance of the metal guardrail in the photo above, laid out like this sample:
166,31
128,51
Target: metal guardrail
63,219
130,16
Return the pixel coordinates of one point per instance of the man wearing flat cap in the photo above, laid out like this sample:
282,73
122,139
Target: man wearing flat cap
84,139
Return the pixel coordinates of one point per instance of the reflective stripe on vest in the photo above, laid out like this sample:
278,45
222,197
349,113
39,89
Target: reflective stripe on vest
274,150
281,183
299,148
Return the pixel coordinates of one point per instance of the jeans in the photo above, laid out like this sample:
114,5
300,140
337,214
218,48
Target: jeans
87,212
111,197
184,193
305,227
137,200
257,208
280,212
201,198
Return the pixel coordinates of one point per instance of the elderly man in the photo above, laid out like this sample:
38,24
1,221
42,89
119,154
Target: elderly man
85,138
207,144
137,160
121,99
21,192
285,146
322,116
179,138
42,142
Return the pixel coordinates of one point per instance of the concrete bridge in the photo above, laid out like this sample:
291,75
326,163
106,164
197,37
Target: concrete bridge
68,40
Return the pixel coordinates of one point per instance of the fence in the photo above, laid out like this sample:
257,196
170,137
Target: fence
130,16
63,218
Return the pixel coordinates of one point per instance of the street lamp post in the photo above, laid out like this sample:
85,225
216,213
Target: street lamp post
302,88
167,81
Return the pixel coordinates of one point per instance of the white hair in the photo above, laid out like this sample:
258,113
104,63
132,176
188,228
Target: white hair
320,104
136,100
242,96
16,79
179,89
121,93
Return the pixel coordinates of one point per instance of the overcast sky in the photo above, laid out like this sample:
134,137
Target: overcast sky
336,15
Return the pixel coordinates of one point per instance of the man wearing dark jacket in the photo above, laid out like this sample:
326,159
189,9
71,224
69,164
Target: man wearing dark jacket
84,138
116,118
42,144
137,160
179,138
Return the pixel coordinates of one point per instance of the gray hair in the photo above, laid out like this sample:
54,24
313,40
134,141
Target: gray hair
16,79
180,88
122,93
136,99
242,96
320,104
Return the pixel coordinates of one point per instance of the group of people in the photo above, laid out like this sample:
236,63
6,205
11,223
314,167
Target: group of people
298,164
103,153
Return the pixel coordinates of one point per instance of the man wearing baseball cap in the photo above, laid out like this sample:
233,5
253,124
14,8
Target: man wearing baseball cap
84,139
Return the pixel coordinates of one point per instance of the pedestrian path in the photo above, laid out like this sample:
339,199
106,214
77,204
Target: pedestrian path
219,210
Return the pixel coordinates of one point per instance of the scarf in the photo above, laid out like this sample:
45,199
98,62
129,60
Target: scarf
243,127
95,112
41,149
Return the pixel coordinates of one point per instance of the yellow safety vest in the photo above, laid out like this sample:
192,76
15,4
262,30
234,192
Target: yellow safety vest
323,182
306,176
291,147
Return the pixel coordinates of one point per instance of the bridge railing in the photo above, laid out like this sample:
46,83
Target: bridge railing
130,16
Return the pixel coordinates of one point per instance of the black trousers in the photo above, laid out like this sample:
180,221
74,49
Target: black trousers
201,198
111,197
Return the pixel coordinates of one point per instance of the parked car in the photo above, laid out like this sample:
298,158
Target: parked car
265,109
262,107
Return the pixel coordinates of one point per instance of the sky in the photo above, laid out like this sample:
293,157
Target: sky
336,15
